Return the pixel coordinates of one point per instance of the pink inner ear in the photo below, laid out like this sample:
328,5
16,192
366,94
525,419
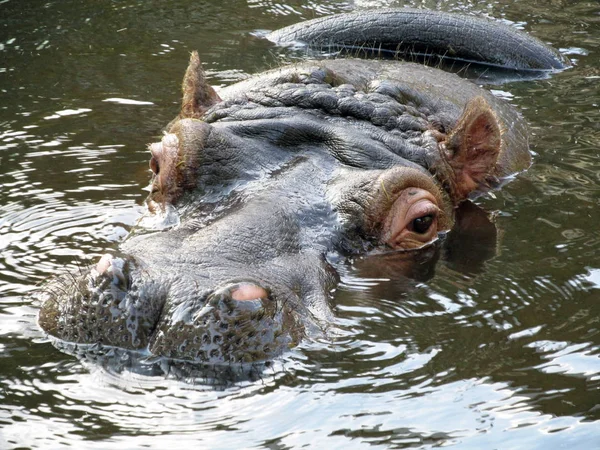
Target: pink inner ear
249,292
484,133
483,145
474,146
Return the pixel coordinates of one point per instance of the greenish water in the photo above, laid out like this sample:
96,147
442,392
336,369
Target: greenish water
495,352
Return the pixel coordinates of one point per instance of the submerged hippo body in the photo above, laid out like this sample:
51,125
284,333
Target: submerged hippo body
258,192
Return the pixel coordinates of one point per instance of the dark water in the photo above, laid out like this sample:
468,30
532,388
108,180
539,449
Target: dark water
499,348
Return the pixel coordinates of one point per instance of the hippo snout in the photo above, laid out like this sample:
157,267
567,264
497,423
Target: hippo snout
100,298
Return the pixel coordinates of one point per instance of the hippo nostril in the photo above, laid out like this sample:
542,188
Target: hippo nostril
103,264
115,267
240,300
248,291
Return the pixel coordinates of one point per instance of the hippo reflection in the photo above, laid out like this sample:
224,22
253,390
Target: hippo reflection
259,191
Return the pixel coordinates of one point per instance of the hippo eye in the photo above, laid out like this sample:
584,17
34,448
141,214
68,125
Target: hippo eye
412,221
422,224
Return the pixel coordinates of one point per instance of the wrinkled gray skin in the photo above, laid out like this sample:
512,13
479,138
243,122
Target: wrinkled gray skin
260,191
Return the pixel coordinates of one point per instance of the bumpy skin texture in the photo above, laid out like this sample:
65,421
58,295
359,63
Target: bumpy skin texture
258,191
420,32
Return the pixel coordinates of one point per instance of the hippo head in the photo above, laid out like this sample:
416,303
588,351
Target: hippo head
257,195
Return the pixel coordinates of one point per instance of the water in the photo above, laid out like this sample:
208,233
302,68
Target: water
494,347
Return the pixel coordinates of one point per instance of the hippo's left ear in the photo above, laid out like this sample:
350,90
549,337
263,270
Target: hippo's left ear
472,149
198,95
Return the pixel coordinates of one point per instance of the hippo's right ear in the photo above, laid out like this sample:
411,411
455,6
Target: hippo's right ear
472,149
198,95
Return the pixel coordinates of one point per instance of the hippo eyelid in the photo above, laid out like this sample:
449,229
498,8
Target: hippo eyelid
383,251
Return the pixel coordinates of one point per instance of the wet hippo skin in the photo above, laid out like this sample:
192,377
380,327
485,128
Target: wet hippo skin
260,190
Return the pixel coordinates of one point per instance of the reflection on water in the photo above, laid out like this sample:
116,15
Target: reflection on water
492,340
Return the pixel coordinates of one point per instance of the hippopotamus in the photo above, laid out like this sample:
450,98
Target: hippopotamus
260,191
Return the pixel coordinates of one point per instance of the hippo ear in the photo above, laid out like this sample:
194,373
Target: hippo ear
472,148
198,95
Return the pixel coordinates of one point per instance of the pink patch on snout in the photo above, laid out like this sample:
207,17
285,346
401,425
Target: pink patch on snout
103,264
247,292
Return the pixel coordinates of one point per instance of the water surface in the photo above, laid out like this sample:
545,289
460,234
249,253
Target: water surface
496,346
